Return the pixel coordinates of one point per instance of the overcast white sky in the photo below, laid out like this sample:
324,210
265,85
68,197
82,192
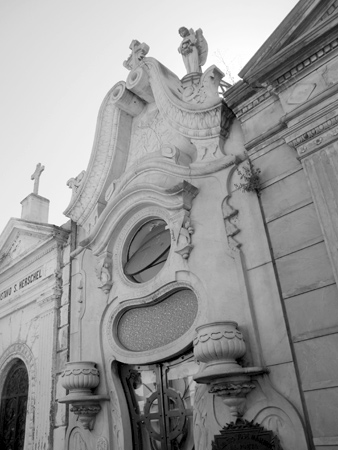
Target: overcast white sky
59,58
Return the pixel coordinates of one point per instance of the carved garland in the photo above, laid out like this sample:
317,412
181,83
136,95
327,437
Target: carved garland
23,352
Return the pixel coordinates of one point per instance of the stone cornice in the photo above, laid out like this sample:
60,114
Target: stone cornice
166,167
305,46
316,138
123,205
324,50
253,103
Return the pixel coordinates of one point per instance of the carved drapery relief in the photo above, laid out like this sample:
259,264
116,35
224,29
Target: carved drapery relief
150,133
23,352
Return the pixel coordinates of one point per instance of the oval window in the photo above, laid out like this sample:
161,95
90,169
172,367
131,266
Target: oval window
148,251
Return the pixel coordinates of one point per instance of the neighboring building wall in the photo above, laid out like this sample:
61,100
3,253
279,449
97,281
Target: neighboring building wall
289,123
29,316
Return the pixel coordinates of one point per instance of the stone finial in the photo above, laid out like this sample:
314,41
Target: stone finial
36,177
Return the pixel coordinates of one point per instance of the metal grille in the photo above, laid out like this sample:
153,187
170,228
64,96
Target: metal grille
13,408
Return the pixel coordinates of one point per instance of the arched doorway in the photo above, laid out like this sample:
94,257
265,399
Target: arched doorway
160,399
13,407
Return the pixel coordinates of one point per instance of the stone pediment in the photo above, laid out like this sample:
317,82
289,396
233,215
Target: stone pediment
20,238
308,32
151,116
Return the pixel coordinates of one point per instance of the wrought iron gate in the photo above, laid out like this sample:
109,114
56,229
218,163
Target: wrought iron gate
160,399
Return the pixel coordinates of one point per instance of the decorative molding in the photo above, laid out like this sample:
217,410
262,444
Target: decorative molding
135,199
316,138
253,103
103,270
165,351
328,13
307,62
23,352
192,121
102,444
314,132
91,186
76,441
19,268
272,410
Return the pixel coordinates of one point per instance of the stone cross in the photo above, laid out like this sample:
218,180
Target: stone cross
36,177
138,52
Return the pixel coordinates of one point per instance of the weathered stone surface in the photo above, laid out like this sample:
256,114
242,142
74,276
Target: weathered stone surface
316,370
292,193
64,311
316,270
313,311
323,410
269,314
295,231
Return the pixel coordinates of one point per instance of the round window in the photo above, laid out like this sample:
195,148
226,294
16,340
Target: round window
148,251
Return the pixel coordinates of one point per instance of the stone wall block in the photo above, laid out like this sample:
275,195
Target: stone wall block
64,315
59,437
63,337
61,359
65,274
60,414
322,172
66,255
65,294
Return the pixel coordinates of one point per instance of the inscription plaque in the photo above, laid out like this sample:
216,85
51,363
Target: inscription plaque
244,435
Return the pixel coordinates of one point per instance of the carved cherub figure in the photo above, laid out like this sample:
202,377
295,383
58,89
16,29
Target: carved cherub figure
193,48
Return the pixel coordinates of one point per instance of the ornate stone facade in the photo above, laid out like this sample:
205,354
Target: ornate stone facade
203,269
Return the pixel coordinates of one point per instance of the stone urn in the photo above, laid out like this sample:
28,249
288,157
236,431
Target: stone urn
218,345
80,378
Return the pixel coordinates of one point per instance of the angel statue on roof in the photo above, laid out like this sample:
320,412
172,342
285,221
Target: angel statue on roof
193,48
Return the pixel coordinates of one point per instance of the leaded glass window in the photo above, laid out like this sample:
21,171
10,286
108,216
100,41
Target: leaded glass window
13,408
